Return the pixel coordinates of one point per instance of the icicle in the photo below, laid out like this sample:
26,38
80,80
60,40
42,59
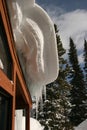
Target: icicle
44,91
1,64
38,96
43,98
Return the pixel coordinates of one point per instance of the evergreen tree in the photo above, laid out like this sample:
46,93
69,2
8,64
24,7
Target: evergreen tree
78,92
57,106
85,61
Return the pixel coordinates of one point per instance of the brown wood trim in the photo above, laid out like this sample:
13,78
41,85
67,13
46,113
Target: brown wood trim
6,84
25,90
14,98
27,118
13,113
0,7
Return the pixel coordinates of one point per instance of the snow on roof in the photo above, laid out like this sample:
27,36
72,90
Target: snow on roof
35,43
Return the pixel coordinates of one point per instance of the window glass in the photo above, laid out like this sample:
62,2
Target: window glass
5,56
5,111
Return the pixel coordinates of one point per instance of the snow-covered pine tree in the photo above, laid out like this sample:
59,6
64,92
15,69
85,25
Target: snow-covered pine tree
56,107
78,92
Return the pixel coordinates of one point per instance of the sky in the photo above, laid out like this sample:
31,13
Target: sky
71,19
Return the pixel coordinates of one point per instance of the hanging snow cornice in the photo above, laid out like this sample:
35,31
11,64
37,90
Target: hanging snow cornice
35,42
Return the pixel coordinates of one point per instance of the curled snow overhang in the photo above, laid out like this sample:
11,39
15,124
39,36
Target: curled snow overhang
35,43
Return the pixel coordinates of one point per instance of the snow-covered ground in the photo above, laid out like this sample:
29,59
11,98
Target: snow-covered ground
20,122
82,126
35,125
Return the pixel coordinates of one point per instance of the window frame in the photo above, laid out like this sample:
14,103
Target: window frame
8,85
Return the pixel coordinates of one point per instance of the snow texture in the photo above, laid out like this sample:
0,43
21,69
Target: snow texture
35,43
82,126
35,125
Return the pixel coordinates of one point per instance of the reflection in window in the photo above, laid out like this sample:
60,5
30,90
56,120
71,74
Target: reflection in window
5,57
5,111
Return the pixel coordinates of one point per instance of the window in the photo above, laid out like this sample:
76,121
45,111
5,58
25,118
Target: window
5,110
5,56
